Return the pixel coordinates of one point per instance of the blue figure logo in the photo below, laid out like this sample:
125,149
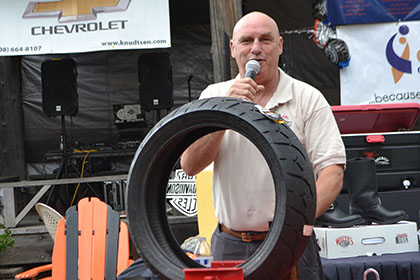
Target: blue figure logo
400,64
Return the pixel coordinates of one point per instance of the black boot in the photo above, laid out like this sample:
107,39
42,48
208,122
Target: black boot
360,179
336,218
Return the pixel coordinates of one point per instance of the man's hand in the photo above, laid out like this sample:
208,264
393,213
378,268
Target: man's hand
246,89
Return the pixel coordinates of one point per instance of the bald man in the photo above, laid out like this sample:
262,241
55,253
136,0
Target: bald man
243,188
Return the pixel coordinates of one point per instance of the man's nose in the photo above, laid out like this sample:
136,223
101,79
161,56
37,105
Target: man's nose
256,47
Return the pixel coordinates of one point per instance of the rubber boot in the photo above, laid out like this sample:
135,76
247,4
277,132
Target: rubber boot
335,217
360,179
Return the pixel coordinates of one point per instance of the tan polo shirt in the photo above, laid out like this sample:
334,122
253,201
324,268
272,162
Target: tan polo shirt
243,188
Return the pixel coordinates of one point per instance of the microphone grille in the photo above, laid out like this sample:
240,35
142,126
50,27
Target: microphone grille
252,65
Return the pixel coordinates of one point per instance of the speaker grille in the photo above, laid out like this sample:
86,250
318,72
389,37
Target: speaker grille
59,87
155,78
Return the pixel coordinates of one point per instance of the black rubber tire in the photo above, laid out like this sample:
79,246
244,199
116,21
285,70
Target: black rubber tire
337,51
159,152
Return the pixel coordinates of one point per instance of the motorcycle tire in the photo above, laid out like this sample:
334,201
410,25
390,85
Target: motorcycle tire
159,152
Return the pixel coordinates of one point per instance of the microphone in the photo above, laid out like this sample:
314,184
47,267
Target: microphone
252,68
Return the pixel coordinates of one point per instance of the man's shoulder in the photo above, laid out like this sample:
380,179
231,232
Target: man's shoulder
217,89
300,85
221,85
303,93
303,90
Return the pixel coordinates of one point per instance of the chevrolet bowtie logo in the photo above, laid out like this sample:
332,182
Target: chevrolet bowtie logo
74,10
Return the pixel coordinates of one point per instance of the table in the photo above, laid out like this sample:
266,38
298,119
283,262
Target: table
58,155
403,266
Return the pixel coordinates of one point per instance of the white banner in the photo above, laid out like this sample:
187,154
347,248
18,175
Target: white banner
29,27
385,63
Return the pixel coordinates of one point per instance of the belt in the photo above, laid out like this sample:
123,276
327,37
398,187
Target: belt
245,236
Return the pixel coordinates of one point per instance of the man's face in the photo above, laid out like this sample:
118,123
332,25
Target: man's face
257,37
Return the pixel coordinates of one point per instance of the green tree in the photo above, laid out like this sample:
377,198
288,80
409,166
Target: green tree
6,239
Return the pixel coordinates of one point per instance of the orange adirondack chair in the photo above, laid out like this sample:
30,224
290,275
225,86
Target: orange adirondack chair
90,243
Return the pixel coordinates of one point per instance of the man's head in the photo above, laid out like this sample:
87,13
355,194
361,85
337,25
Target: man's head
256,36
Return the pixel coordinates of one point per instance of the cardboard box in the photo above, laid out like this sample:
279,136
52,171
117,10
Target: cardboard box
367,240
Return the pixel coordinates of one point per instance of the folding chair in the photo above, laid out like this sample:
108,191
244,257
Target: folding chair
50,217
90,243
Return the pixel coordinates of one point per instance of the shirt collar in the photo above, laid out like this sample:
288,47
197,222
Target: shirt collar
283,93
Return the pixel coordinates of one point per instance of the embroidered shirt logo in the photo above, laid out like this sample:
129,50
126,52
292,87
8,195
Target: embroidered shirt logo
279,118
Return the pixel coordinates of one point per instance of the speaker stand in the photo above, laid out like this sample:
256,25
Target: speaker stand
158,115
63,167
189,88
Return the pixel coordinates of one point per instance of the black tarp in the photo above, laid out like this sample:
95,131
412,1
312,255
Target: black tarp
107,78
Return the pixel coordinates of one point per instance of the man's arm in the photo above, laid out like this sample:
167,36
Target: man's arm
328,186
201,153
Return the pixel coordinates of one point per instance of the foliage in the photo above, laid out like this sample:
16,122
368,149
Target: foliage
6,239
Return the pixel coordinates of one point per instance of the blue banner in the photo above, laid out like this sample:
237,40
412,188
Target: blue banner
341,12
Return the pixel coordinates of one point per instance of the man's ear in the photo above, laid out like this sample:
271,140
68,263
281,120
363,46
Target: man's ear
232,49
281,45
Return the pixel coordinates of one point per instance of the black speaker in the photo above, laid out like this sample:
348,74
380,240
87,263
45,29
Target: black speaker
59,87
155,78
